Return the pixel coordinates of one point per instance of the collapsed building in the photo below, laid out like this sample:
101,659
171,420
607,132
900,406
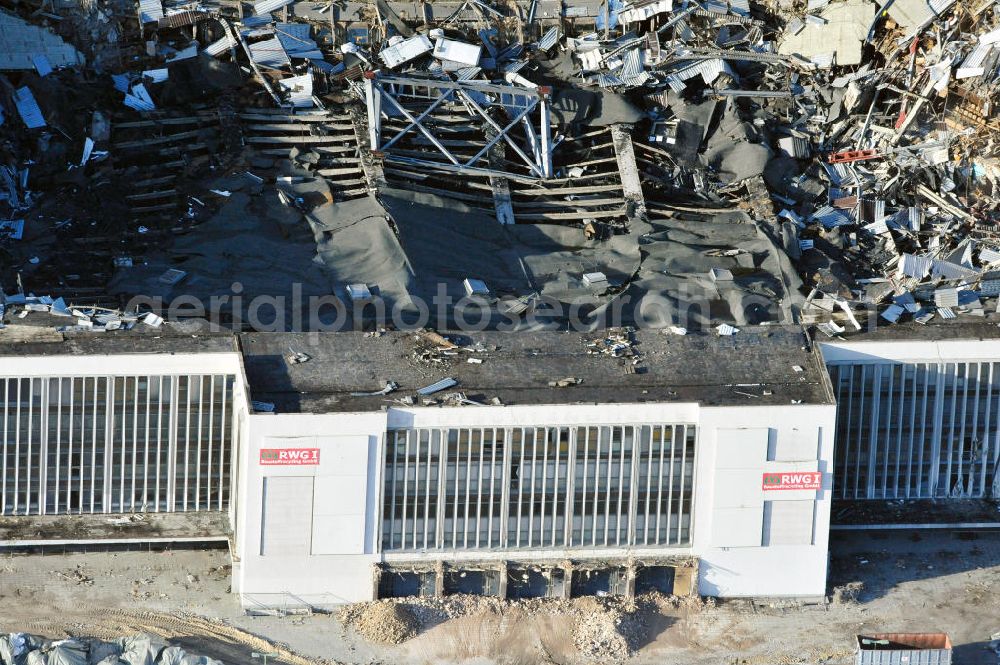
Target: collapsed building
763,161
779,218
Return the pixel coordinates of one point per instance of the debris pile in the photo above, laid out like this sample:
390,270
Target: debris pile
606,634
605,629
141,649
381,622
774,161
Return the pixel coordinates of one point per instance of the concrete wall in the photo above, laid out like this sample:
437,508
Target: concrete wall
796,438
924,351
332,560
336,566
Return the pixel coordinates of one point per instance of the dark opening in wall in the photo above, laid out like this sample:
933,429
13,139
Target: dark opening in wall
531,582
478,582
655,578
404,584
598,582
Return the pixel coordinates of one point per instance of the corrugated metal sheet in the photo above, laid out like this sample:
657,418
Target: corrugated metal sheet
296,40
641,11
219,47
914,266
28,108
608,80
636,80
256,21
269,53
262,7
740,7
794,146
631,64
42,65
973,63
950,270
158,75
831,217
549,39
683,30
180,19
987,255
21,42
676,84
139,99
294,36
941,6
121,82
150,11
467,73
12,228
438,386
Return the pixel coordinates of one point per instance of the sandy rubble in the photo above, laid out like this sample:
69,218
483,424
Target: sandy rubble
881,582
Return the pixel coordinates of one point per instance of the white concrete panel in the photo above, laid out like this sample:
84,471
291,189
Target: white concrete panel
793,445
952,350
286,527
738,488
338,534
340,496
741,448
788,523
737,527
322,580
124,364
552,415
763,572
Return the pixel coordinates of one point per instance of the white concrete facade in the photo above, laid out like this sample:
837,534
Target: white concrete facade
310,531
735,446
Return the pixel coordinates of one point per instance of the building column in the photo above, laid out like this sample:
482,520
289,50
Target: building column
630,570
567,568
376,580
439,579
502,587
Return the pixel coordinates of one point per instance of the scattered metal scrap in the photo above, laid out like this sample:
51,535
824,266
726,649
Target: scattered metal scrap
857,137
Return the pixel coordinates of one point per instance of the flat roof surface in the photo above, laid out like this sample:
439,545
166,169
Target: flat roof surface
762,366
134,527
914,511
914,332
117,342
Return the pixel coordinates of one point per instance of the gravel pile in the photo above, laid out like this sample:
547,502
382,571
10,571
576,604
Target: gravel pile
605,630
598,637
384,622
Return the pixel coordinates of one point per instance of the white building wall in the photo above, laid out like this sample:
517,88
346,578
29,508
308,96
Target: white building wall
337,567
333,564
729,496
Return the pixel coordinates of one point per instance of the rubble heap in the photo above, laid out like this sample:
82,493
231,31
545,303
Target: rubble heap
778,161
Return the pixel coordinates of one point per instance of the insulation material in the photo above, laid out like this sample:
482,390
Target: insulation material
840,38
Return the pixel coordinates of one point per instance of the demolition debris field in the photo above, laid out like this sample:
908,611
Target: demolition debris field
893,582
820,162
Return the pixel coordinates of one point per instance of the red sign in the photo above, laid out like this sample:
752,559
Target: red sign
289,456
796,480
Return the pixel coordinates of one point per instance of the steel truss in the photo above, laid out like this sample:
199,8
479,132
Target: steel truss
527,108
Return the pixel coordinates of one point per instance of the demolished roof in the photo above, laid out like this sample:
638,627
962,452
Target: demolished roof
21,43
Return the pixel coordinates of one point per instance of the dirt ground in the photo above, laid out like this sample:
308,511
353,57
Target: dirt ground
909,583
